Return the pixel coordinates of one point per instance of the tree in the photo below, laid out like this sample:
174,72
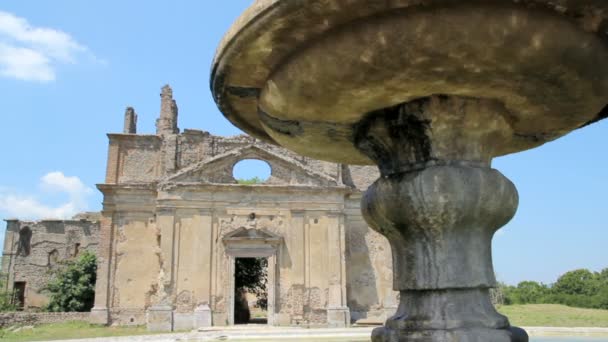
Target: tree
579,288
603,276
531,292
602,297
251,276
526,292
577,282
72,286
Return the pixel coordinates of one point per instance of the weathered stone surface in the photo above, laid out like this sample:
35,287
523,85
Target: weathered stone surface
442,225
203,316
130,121
29,257
322,67
175,219
160,318
34,318
100,316
167,122
440,230
430,91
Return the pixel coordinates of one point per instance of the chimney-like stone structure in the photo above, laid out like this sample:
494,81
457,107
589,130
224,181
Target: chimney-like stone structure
167,122
130,121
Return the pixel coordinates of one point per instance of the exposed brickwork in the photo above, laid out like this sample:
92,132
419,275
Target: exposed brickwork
167,207
34,318
130,126
167,122
29,257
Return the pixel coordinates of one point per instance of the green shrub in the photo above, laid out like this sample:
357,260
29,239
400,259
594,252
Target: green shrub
579,288
72,286
251,181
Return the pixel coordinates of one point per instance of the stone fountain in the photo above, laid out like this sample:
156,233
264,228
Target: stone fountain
430,91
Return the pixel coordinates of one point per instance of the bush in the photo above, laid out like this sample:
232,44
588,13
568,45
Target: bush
579,288
578,282
72,286
251,181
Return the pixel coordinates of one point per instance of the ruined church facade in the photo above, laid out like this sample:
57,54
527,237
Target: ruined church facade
174,220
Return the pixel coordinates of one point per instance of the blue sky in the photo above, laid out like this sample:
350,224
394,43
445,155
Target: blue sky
68,69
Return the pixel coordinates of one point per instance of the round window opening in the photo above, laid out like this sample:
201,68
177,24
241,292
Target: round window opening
251,171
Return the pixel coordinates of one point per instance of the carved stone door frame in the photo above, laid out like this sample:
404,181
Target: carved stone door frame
252,243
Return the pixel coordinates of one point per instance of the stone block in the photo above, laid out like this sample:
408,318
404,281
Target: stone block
160,318
183,321
100,316
338,317
220,319
203,317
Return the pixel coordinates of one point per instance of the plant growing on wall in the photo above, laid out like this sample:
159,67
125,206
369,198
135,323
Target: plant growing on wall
250,181
72,286
7,302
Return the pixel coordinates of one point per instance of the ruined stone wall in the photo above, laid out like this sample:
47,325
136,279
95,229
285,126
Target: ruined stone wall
167,246
135,269
150,158
369,268
284,171
370,291
51,242
9,319
134,159
194,256
196,146
360,177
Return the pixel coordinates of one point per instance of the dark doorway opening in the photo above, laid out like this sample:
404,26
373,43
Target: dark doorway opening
251,291
19,294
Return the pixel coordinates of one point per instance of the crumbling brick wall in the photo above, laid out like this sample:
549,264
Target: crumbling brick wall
49,243
146,174
9,319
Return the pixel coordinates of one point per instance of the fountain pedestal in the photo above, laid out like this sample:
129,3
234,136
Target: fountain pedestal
439,204
429,91
440,221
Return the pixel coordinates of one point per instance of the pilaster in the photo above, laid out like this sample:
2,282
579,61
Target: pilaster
100,312
338,313
159,316
165,222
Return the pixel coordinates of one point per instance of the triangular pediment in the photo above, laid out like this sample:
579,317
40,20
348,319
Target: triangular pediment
218,169
249,235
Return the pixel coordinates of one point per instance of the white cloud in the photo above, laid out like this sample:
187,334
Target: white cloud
31,53
30,207
57,181
25,64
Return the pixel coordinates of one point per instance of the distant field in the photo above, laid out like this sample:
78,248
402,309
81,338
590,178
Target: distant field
550,315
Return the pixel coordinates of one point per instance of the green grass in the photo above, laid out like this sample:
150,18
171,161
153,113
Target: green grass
551,315
69,330
548,315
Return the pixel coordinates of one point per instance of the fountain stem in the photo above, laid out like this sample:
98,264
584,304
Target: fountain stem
439,216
